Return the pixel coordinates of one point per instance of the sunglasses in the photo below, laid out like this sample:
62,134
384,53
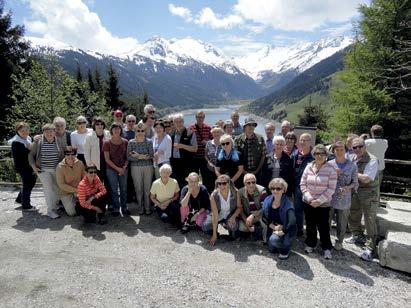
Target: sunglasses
320,154
252,125
92,172
151,111
79,123
222,183
140,131
250,182
131,121
276,189
357,147
119,116
290,138
225,143
99,124
69,154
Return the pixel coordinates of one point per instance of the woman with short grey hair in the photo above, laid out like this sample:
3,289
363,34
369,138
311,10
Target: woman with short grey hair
78,137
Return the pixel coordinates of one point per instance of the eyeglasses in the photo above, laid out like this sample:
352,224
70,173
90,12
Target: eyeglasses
320,154
99,124
119,116
69,154
79,123
250,182
225,143
252,125
140,131
151,111
276,189
222,183
92,172
131,121
357,147
291,138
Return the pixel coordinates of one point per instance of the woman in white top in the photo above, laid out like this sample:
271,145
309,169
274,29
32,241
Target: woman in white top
162,147
78,137
226,206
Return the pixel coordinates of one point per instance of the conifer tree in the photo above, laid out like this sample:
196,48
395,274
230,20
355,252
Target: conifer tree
112,90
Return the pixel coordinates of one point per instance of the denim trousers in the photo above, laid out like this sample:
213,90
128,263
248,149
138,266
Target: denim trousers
171,214
299,209
281,244
117,183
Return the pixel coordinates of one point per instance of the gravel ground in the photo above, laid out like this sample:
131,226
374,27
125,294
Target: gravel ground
139,261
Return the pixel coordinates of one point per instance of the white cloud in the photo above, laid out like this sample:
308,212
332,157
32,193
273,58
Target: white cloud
339,30
180,11
209,18
297,15
73,23
235,46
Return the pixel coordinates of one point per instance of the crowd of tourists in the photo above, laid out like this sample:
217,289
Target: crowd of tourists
200,176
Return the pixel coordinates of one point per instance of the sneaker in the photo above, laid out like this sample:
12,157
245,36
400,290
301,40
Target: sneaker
53,215
184,229
148,212
327,254
140,211
354,239
126,212
115,213
367,255
309,249
30,208
338,246
283,257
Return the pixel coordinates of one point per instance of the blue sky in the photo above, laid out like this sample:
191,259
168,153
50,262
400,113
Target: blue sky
235,26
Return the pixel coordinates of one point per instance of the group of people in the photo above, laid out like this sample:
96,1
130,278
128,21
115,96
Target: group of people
202,176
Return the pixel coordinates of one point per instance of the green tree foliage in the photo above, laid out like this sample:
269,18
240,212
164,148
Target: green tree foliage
313,116
13,52
112,89
97,81
377,78
90,81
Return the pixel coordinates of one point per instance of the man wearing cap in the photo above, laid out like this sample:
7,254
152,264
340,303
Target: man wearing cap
118,118
252,147
366,200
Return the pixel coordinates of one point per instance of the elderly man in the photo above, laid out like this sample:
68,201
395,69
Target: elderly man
149,110
203,133
269,133
184,144
377,146
252,147
366,200
62,134
118,118
237,128
252,197
128,132
285,128
300,161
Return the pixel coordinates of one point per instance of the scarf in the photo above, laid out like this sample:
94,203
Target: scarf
17,138
233,155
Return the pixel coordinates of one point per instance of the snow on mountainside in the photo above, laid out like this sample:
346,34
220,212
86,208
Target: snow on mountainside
297,57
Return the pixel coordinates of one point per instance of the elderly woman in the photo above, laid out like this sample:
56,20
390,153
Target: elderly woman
91,197
291,144
318,184
226,207
252,197
164,193
279,217
69,173
211,149
140,154
20,148
195,203
78,137
347,181
115,155
45,154
279,164
229,161
162,147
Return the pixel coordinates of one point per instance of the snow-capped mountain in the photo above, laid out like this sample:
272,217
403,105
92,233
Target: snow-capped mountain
298,57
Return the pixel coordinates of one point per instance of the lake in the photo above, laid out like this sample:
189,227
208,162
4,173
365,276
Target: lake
212,115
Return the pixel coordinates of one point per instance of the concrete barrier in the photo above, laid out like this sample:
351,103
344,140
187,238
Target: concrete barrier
395,251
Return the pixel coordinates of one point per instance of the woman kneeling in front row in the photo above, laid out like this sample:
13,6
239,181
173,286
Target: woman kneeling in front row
279,216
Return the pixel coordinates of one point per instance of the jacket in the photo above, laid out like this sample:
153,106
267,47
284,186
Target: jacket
244,198
92,148
287,215
185,139
35,152
68,177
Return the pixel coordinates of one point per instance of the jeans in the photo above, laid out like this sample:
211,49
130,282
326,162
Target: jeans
171,214
28,178
142,178
317,218
116,181
299,209
281,244
50,188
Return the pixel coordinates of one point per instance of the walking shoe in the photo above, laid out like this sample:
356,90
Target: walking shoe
140,211
338,246
354,239
29,208
283,256
309,249
53,215
367,255
115,213
148,212
327,254
184,229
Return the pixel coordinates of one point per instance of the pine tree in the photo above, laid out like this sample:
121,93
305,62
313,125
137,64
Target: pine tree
97,80
90,81
79,75
112,91
13,53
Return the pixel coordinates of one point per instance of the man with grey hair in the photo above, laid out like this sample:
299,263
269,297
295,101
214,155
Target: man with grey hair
365,201
128,132
149,110
237,128
62,135
285,128
269,133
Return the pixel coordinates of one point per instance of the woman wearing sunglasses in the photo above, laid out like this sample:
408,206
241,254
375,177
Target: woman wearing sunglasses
226,207
140,154
318,184
279,218
78,137
229,161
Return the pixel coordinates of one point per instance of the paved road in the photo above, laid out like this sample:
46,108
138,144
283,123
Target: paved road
137,261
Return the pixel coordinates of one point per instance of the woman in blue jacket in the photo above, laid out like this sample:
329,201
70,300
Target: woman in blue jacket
279,217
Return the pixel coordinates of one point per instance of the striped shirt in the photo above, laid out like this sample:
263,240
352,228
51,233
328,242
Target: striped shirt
318,184
203,133
49,155
86,190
